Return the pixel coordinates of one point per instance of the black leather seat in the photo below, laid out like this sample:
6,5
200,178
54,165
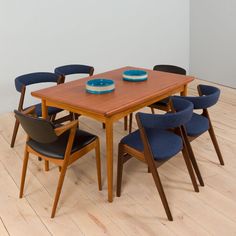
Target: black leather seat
59,144
57,149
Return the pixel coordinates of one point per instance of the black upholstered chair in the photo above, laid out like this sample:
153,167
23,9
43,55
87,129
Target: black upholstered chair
200,123
21,82
159,138
62,146
74,69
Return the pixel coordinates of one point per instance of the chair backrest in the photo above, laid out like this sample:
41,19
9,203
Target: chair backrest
170,69
209,95
74,69
34,78
183,113
37,129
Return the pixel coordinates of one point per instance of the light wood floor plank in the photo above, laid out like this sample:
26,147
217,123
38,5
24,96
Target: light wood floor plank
83,210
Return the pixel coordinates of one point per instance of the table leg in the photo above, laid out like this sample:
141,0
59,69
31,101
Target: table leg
45,115
109,157
185,91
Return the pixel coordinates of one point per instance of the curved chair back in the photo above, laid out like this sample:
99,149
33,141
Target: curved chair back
209,96
170,69
184,111
34,78
74,69
37,129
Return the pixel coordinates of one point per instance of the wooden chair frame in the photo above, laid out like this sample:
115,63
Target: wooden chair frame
64,163
74,116
211,132
21,109
156,106
125,152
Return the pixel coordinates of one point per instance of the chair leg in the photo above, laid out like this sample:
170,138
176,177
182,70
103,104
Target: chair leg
194,162
16,127
25,163
130,122
153,111
119,170
76,116
71,116
160,189
59,187
53,117
190,169
46,165
215,143
98,163
125,123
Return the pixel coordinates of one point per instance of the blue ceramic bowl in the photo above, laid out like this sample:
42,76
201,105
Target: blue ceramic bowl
100,86
135,75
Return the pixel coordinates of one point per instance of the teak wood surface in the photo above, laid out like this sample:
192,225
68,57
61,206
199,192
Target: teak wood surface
127,97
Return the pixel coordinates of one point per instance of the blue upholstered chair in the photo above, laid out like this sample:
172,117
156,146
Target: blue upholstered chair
200,123
22,82
164,103
73,69
159,138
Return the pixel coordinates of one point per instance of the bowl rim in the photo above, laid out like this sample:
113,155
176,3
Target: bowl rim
135,72
92,82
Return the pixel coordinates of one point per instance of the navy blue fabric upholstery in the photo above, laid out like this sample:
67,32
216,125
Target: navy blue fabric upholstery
210,96
163,102
164,144
51,110
73,69
184,110
34,78
197,125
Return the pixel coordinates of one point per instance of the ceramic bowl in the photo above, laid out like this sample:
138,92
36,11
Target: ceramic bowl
100,86
135,75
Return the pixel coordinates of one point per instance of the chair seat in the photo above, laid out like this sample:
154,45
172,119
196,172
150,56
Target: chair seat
197,125
51,110
164,144
57,149
163,102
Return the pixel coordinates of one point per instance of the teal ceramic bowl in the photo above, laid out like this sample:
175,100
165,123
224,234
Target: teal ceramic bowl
100,86
135,75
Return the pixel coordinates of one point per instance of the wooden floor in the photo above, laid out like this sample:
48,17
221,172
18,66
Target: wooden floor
83,210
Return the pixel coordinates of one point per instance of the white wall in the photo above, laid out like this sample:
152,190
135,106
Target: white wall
40,35
213,40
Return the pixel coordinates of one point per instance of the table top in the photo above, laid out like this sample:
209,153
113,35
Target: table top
126,94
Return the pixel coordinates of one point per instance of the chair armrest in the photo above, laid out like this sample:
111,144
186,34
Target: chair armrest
29,111
60,130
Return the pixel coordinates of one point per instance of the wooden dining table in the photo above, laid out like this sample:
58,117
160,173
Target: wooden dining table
127,97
